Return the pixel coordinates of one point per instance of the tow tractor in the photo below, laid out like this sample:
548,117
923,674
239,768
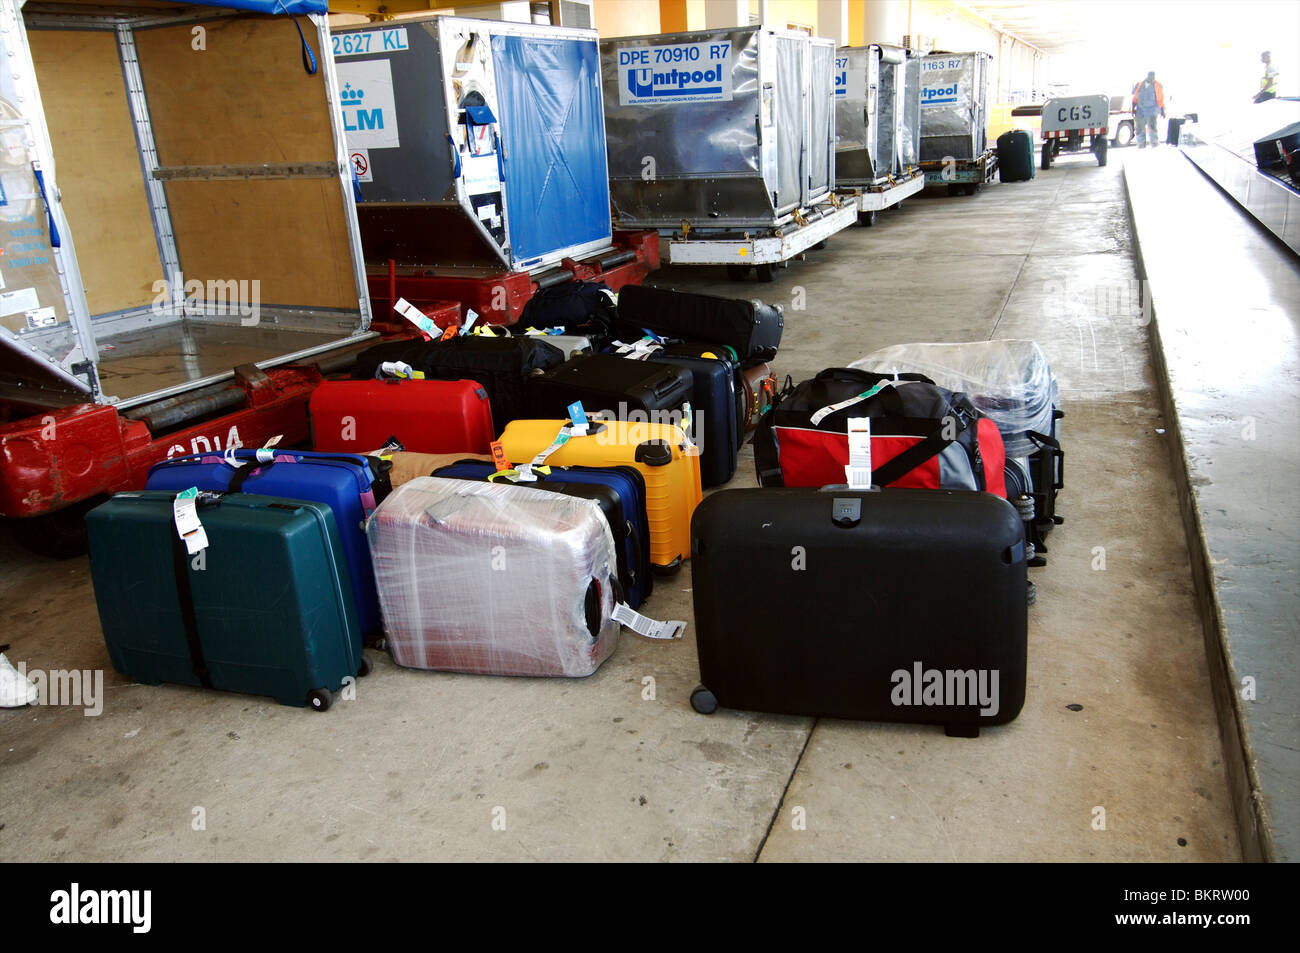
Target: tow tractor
1069,120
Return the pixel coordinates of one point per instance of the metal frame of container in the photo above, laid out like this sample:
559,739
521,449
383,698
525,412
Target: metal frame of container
734,151
58,358
954,105
867,175
446,204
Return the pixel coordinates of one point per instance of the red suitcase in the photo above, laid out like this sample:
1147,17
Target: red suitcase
426,416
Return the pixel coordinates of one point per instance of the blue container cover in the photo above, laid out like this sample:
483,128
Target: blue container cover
553,124
294,7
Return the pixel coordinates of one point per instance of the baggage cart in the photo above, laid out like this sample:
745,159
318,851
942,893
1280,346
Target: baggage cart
1075,124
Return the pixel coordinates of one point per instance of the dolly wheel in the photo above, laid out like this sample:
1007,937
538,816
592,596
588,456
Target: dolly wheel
702,700
737,272
867,219
320,699
366,667
765,272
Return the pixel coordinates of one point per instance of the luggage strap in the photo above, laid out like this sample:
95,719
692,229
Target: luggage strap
185,595
910,459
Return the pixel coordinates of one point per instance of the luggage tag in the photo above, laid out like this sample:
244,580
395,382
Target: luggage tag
525,470
857,474
186,517
825,412
624,614
578,416
265,453
417,317
399,370
470,317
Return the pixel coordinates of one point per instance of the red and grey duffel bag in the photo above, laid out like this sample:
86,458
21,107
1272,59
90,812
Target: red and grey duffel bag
921,434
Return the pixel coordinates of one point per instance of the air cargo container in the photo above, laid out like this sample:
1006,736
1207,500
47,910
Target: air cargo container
724,141
954,120
877,106
479,145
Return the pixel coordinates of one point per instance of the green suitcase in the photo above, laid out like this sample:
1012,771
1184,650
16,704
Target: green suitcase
263,610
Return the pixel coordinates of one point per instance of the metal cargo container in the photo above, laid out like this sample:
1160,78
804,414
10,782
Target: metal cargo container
478,144
210,206
878,104
954,105
721,129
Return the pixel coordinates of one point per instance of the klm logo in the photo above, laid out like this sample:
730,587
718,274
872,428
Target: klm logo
365,118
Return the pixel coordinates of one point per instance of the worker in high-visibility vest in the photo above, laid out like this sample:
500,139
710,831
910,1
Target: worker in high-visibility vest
1148,102
1268,82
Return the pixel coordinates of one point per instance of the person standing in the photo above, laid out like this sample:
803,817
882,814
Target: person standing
1148,102
1268,83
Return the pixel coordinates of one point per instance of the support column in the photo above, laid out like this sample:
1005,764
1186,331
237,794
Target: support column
833,20
885,21
725,13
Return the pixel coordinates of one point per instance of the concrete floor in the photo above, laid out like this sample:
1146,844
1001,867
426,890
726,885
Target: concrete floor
613,768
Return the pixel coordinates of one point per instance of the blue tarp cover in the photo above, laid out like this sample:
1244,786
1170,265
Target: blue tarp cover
557,183
268,6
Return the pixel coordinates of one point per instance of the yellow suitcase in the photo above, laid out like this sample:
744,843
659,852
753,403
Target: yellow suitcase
669,463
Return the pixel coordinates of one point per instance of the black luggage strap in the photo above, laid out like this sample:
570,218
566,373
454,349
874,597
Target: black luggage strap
767,460
910,459
185,596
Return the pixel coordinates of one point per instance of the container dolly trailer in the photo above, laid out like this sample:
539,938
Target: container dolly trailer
1067,121
181,259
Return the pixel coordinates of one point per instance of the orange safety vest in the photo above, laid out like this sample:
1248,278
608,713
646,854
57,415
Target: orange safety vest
1160,95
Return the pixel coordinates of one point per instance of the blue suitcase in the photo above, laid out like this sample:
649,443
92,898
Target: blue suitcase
632,544
265,609
716,404
347,483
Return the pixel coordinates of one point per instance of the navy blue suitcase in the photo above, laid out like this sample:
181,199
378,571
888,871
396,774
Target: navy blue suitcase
629,523
347,483
713,404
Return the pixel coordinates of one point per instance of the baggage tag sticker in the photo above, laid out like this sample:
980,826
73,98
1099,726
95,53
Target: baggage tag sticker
825,412
526,469
624,614
499,456
417,317
188,526
858,472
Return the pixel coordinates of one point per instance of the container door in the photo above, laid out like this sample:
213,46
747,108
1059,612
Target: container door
553,130
46,346
790,122
821,101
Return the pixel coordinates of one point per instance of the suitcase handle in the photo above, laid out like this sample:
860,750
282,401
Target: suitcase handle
664,385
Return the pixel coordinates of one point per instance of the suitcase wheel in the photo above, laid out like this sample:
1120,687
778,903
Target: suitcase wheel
366,666
702,700
669,569
320,699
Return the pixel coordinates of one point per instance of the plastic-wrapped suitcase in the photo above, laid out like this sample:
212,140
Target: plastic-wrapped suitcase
494,579
500,364
620,491
668,463
265,609
884,605
752,328
572,345
426,416
346,483
618,387
713,412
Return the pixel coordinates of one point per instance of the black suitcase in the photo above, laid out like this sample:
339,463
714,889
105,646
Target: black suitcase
1270,151
613,385
863,595
715,419
500,364
1015,156
751,328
